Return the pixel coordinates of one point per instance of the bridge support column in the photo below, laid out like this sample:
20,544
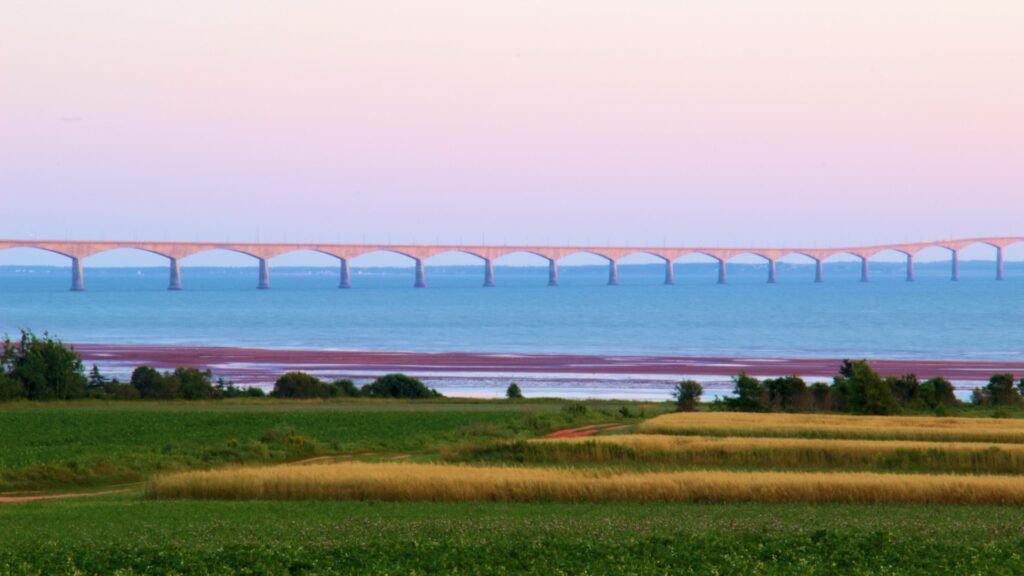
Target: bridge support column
345,280
865,272
910,267
722,275
956,266
999,263
488,273
771,271
77,275
175,281
819,271
552,272
613,273
421,275
264,283
670,274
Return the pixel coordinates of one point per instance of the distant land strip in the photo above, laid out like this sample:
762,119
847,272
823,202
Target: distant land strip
256,365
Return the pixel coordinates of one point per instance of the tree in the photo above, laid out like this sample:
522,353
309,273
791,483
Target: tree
96,380
905,389
821,397
860,390
10,389
345,387
1001,391
192,384
513,392
936,392
749,394
788,393
300,385
153,385
45,368
398,386
687,394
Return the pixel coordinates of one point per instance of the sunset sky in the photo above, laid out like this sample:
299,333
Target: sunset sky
788,122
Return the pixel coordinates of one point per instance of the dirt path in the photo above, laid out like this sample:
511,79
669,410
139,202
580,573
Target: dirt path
584,431
35,497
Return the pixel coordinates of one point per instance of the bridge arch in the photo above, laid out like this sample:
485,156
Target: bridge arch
417,263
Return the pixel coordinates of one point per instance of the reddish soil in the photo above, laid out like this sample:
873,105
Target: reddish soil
253,365
584,431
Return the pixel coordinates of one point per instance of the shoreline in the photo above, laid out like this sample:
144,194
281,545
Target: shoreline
251,366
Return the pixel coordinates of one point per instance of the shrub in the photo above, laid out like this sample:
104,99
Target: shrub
513,392
118,391
905,389
192,384
936,392
575,409
750,394
301,385
1001,390
860,390
788,393
154,385
821,397
10,389
687,394
398,386
44,367
345,387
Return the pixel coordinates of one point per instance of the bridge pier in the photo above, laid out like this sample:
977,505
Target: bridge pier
956,266
771,271
421,275
722,275
345,280
613,273
819,271
670,273
552,272
910,267
488,273
264,283
77,275
175,280
865,272
999,262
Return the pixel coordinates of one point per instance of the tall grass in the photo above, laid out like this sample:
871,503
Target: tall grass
438,482
923,428
754,453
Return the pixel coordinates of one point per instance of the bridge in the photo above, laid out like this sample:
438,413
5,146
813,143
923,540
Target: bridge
264,252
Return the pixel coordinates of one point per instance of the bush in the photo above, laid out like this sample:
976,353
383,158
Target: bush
750,394
513,392
821,397
575,409
937,392
10,389
687,394
1001,391
192,384
398,386
300,385
153,385
44,368
860,390
788,393
345,387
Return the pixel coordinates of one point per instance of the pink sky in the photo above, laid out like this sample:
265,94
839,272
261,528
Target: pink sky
731,122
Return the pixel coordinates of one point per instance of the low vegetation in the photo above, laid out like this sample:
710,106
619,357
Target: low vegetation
932,429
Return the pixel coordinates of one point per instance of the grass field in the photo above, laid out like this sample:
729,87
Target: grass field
90,444
396,451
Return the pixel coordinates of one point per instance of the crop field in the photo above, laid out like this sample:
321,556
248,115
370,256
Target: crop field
754,453
924,428
476,488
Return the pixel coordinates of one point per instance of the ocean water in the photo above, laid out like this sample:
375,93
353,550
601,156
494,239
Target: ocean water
932,318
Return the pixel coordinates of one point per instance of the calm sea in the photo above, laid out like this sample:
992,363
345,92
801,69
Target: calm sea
932,318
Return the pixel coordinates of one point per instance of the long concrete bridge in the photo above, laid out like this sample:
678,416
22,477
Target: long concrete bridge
263,252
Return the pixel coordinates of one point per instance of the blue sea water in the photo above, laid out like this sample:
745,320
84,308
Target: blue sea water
932,318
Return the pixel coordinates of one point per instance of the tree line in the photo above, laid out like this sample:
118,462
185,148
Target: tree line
857,389
44,368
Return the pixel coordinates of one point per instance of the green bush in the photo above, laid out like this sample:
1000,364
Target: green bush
193,384
301,385
749,393
513,392
153,385
43,368
788,393
345,387
398,386
687,394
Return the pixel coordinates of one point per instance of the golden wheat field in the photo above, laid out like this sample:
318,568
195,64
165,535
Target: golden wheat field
439,482
924,428
784,453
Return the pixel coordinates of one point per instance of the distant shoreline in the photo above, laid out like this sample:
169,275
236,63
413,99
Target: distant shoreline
257,366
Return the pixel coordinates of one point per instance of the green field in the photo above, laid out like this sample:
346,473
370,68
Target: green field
136,536
99,444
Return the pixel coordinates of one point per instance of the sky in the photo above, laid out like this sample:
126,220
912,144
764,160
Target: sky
728,122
